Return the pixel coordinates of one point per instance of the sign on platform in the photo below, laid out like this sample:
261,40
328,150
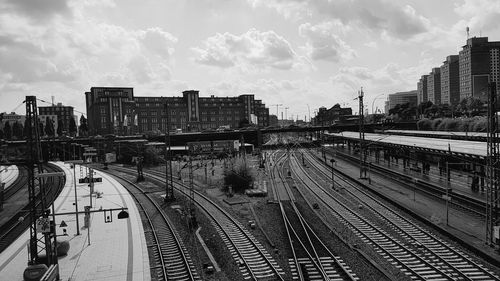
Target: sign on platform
87,180
89,149
43,225
89,154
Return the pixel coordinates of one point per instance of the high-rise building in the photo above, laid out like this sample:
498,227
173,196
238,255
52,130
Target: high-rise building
117,111
402,98
450,89
478,65
64,115
434,86
421,90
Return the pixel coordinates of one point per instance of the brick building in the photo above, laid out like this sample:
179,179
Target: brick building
478,65
434,86
327,117
450,87
116,111
421,90
63,113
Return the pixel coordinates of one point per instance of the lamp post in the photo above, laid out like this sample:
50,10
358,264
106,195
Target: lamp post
373,102
362,171
74,162
333,180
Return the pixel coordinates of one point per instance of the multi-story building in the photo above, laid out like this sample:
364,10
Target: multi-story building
64,114
110,110
11,118
450,89
434,86
402,98
327,117
117,111
478,65
422,90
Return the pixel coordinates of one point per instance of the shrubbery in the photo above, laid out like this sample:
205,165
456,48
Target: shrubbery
239,177
152,156
473,124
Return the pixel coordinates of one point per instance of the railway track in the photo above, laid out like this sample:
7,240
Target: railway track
460,201
18,223
312,260
17,184
253,260
170,257
452,261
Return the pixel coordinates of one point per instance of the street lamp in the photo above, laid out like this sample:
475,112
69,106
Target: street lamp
333,180
74,162
373,102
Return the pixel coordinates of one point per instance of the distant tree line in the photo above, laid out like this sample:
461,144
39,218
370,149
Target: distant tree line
19,131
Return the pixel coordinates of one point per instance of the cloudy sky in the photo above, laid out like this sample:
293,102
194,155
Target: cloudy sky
303,54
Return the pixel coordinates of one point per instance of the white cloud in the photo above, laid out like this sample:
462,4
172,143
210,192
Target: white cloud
479,14
323,43
252,51
377,15
83,49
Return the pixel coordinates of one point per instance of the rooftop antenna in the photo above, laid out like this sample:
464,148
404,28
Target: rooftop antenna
467,29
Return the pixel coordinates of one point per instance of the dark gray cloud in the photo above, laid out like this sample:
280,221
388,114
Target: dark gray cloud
37,10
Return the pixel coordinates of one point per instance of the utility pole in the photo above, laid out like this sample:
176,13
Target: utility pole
492,172
39,211
191,213
277,106
169,181
362,171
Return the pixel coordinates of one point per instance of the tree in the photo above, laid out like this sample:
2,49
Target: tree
72,127
49,127
152,156
1,134
40,128
60,127
243,123
7,130
83,126
17,130
239,177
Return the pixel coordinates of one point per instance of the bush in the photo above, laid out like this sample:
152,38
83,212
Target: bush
239,177
424,124
436,124
152,156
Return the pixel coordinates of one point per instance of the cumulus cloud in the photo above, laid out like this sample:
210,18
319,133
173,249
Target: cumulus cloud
250,51
323,43
377,15
85,50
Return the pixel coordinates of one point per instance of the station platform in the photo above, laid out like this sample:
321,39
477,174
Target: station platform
464,226
115,250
